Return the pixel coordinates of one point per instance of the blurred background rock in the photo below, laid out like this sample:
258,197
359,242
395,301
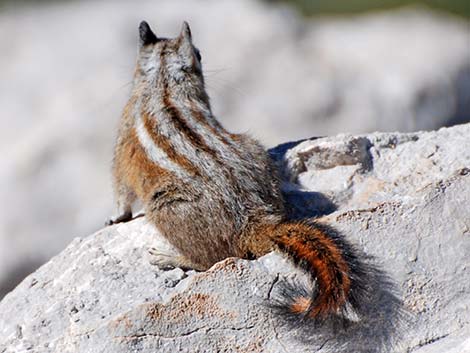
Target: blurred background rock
281,70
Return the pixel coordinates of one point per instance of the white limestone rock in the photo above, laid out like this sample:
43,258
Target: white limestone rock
408,210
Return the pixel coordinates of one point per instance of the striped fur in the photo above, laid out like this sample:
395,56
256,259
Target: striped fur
318,255
211,193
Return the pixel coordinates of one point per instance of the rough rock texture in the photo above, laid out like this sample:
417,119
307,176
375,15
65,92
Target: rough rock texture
401,198
66,69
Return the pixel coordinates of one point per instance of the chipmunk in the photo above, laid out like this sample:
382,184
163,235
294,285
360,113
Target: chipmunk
211,193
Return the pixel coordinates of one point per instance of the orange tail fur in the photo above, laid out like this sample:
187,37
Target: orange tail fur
329,261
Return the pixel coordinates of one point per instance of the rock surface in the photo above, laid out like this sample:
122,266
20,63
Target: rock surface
66,69
401,198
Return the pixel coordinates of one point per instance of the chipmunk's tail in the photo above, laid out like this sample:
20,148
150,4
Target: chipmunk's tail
330,262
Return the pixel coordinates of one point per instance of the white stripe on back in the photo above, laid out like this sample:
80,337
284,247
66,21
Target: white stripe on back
155,153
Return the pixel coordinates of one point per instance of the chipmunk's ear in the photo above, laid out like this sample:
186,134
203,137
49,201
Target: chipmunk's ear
146,35
186,32
185,41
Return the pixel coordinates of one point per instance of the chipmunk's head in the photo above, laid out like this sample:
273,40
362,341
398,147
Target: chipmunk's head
169,63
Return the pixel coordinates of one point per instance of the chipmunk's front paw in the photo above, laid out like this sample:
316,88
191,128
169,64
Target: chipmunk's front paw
125,217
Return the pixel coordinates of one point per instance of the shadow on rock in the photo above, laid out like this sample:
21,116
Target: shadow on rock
301,204
307,204
372,320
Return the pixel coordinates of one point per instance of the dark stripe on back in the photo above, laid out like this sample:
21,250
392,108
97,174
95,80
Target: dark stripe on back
199,116
178,119
165,145
181,125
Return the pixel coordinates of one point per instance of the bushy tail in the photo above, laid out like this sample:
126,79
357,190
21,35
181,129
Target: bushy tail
330,262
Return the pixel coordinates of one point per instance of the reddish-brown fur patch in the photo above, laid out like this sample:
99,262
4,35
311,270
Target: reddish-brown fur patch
137,170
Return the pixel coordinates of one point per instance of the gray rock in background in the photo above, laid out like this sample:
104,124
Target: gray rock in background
66,70
404,202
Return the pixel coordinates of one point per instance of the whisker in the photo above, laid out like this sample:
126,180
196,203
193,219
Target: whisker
224,85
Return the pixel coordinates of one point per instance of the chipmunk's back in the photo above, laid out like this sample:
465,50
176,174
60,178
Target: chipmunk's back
211,193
